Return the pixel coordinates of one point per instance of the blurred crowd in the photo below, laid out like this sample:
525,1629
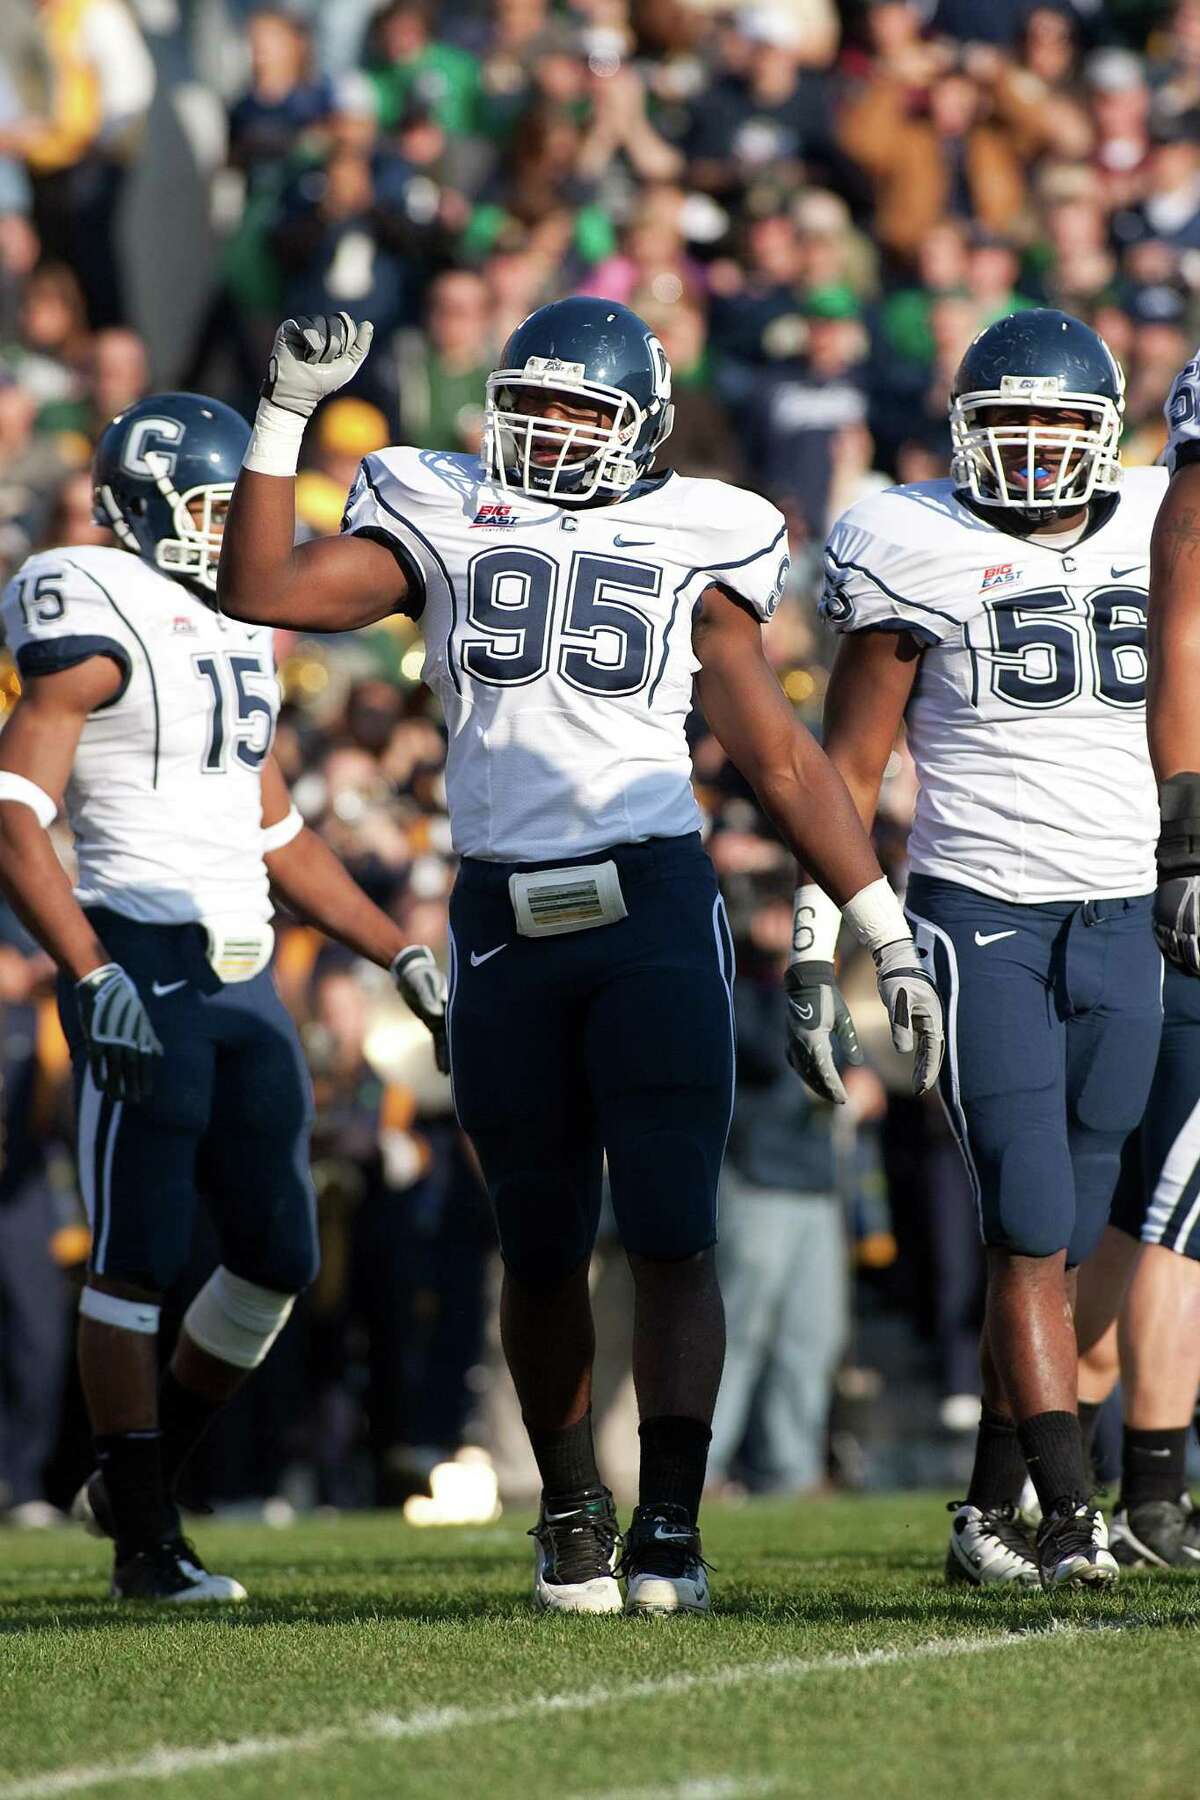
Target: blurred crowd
816,205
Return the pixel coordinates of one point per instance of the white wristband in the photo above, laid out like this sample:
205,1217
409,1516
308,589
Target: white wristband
274,447
875,915
275,836
816,921
16,787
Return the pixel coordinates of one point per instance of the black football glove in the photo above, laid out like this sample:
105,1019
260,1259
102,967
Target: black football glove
1177,922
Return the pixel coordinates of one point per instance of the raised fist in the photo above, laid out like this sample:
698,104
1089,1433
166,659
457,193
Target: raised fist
313,357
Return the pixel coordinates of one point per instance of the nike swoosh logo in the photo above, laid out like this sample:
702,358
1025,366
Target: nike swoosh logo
159,988
487,956
1117,573
993,937
807,1011
624,543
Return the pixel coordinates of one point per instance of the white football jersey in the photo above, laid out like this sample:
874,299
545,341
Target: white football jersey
559,641
165,796
1027,719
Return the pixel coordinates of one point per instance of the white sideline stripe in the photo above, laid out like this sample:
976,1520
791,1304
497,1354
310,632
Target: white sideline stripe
161,1763
716,1787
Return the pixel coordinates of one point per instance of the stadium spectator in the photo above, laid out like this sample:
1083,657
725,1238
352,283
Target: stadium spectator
408,67
442,372
80,136
346,431
783,1243
33,1294
951,154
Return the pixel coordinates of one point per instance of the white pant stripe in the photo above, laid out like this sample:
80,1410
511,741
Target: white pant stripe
1174,1175
719,918
926,935
85,1147
110,1145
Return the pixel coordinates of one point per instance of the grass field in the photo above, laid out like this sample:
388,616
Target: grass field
376,1660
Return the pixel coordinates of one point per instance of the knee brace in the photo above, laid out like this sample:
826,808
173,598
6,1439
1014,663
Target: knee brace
126,1315
236,1321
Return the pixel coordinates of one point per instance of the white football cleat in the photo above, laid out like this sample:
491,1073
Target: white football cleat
1073,1548
664,1568
990,1548
575,1555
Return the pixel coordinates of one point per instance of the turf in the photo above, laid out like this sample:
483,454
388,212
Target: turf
386,1661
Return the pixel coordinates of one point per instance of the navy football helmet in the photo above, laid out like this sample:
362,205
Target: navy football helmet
605,354
161,471
1038,361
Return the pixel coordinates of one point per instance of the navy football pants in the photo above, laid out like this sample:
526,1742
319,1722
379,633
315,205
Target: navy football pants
1053,1016
614,1042
1158,1199
230,1109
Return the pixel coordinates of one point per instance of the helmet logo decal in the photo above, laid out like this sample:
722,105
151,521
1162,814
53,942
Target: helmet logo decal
148,435
662,369
1032,387
546,367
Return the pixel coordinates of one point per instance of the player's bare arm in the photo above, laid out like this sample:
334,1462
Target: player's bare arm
1173,631
800,791
317,888
1173,646
336,584
36,753
808,800
869,687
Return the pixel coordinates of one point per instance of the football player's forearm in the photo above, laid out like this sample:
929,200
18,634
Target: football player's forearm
810,806
1173,634
36,886
315,886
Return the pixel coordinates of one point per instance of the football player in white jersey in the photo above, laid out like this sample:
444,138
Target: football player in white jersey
151,717
1001,614
1156,1243
568,601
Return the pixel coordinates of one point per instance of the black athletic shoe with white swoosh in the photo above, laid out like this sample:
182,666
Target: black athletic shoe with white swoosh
1072,1547
171,1574
1155,1534
575,1541
663,1565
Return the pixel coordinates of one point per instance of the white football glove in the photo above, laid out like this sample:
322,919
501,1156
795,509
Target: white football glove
121,1041
423,986
313,357
818,1019
913,1008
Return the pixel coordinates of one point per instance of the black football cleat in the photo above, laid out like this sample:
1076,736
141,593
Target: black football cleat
575,1554
663,1565
1155,1534
1072,1547
171,1574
